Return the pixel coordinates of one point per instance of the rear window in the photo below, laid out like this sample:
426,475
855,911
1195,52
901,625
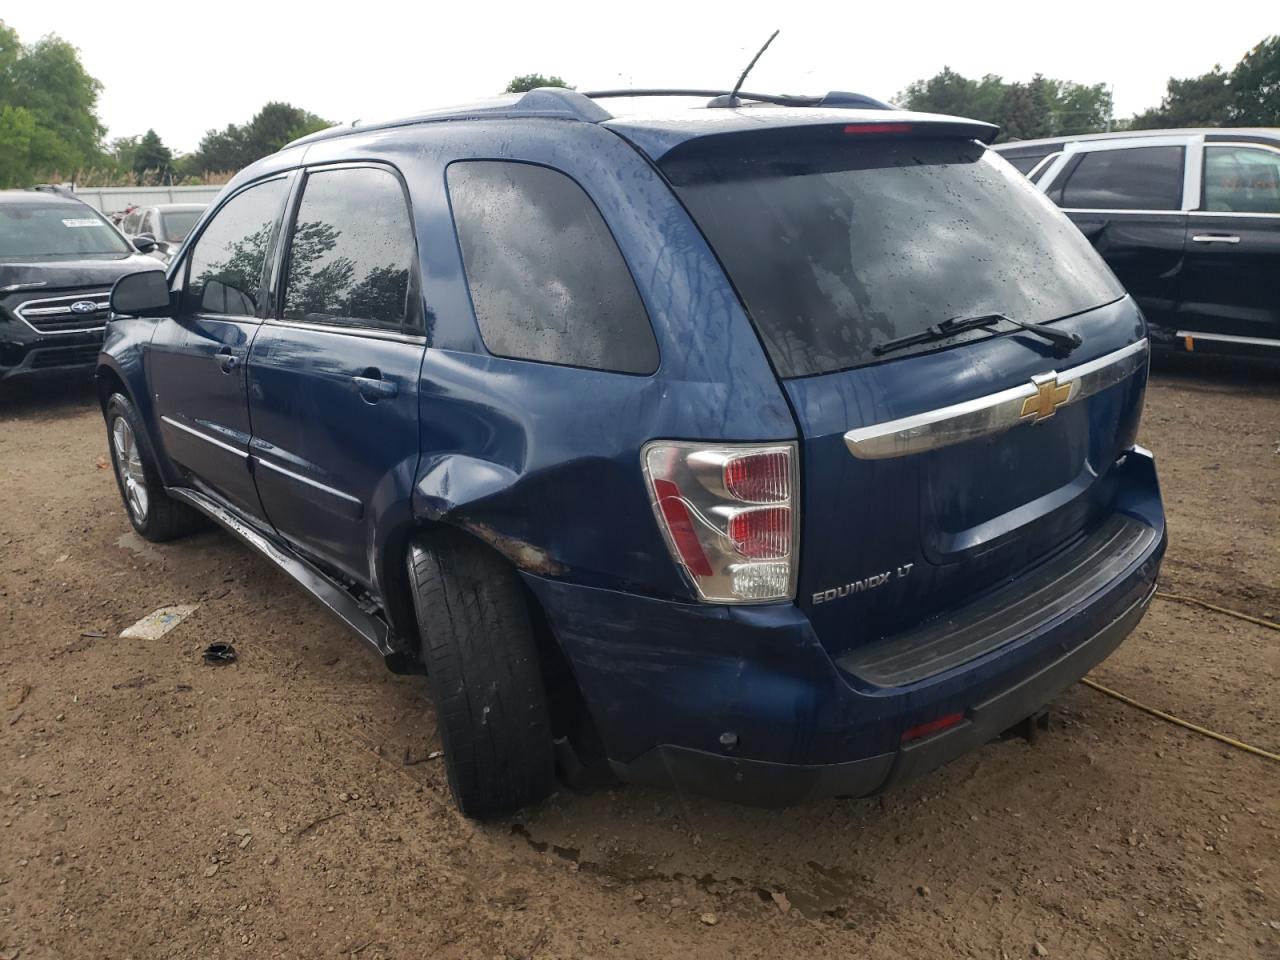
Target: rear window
836,247
57,231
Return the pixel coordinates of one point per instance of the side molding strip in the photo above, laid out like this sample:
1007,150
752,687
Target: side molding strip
1038,399
371,629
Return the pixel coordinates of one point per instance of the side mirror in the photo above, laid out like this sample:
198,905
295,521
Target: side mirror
144,294
144,243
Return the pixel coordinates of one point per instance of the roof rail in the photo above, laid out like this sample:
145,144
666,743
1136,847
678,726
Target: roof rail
726,98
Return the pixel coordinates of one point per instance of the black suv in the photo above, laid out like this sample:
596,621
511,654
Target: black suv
1189,220
58,260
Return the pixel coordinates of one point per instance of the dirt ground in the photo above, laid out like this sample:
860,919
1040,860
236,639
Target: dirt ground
290,805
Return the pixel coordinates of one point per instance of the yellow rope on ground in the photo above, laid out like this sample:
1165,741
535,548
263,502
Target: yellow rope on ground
1196,601
1203,731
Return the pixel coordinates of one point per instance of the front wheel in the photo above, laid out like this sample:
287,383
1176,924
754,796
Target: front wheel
482,663
152,512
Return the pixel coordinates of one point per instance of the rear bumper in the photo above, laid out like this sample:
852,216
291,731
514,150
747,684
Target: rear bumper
745,704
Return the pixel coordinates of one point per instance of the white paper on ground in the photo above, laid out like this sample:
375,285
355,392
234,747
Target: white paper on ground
159,622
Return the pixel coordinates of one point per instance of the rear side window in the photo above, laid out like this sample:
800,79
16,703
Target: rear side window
226,264
547,279
1241,180
1026,163
839,245
351,251
1136,178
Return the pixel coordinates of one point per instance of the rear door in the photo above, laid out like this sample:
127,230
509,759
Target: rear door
1127,198
197,357
334,378
1231,283
839,251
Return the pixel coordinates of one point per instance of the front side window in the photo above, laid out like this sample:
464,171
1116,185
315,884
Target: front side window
1132,178
547,279
227,263
1241,179
351,251
38,230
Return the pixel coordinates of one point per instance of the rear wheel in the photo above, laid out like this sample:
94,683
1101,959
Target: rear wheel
153,513
482,663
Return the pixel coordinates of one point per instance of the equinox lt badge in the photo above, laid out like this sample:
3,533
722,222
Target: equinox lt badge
863,585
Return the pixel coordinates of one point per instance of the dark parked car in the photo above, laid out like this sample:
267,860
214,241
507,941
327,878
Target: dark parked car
769,452
58,260
1189,220
166,225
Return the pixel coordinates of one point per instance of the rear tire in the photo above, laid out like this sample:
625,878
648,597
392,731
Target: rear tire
152,512
482,663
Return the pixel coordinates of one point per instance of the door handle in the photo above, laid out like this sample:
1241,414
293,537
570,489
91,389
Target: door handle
374,388
227,360
1215,238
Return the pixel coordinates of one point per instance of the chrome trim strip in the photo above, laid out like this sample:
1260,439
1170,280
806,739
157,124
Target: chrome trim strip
352,331
1037,399
308,481
1229,338
96,296
205,437
30,284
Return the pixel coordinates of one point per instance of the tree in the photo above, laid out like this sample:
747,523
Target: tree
531,81
151,156
49,108
238,146
1255,86
1203,101
1041,107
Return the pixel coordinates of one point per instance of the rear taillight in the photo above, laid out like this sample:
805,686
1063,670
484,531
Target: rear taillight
728,514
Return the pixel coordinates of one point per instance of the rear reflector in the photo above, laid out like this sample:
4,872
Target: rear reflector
857,128
921,730
676,513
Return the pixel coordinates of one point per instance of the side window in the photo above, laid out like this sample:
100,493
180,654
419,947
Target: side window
1043,167
148,224
351,251
1241,179
547,279
1131,178
226,265
130,225
1026,163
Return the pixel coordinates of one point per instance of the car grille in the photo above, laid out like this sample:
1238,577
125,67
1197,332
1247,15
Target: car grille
66,314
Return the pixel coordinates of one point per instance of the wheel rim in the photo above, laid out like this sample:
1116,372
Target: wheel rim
129,468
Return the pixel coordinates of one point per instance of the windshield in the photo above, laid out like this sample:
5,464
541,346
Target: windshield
176,224
56,231
836,247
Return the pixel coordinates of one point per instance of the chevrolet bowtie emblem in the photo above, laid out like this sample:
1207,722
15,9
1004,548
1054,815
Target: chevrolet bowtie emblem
1050,394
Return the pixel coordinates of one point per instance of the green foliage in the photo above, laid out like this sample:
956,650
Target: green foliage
238,146
151,156
1042,107
1248,96
48,110
531,81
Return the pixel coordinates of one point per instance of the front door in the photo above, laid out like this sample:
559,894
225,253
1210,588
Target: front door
334,379
198,367
1231,283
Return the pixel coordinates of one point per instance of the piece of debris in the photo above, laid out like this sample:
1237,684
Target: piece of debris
63,558
781,900
210,870
923,890
92,634
243,831
133,683
1039,949
709,919
218,654
18,696
244,841
159,622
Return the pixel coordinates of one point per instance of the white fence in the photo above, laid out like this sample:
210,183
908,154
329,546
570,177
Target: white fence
112,199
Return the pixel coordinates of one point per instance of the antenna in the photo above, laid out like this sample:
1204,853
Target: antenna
733,94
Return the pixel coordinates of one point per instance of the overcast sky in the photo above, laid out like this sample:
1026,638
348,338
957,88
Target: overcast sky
183,68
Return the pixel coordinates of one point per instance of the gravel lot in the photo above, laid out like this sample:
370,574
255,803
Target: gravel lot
291,805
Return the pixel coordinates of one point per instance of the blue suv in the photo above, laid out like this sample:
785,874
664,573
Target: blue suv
771,448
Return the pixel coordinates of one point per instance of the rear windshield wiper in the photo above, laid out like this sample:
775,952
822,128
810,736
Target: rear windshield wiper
1063,343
